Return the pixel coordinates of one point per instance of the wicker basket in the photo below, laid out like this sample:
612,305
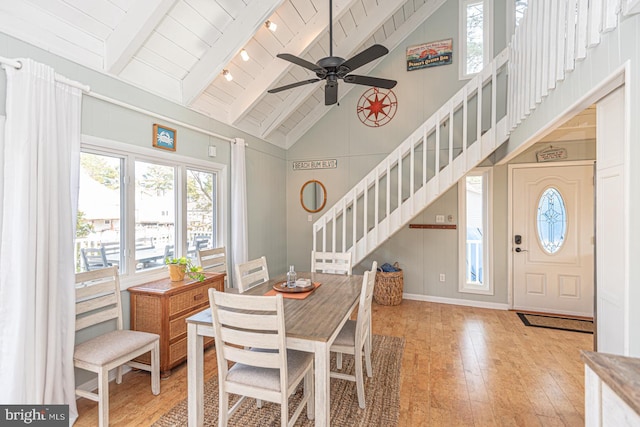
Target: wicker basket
388,288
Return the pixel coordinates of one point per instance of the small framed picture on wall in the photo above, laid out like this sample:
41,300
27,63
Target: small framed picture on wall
164,137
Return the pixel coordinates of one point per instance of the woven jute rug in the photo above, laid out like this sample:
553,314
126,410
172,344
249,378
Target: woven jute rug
382,396
557,322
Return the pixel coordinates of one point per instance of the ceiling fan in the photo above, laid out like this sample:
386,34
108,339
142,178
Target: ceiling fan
334,68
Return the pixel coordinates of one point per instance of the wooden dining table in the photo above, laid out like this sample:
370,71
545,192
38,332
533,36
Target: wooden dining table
312,325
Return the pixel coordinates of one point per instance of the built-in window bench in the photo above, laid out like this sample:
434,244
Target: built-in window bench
612,390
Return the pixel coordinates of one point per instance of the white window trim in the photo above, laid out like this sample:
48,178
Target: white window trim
132,153
464,287
487,33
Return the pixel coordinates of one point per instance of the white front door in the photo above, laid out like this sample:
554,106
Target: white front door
552,242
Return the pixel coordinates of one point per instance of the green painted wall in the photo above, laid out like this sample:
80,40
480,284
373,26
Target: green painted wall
423,254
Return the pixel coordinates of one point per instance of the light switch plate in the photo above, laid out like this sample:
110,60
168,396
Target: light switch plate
439,218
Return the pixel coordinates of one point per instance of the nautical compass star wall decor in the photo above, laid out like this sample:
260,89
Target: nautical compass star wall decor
376,107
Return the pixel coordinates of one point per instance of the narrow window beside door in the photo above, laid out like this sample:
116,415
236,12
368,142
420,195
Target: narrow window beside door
475,236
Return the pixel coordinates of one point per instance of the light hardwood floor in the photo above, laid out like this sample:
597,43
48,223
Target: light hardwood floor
462,366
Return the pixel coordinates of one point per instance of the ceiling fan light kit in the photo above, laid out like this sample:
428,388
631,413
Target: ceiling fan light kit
334,68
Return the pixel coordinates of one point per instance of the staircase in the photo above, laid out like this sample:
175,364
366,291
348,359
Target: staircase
464,131
468,127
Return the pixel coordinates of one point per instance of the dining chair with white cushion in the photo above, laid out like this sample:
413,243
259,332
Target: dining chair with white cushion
97,301
250,331
355,336
331,262
251,273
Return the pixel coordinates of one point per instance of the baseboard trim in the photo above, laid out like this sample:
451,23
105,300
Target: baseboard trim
456,301
92,385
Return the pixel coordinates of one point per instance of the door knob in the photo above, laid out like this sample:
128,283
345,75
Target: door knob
521,250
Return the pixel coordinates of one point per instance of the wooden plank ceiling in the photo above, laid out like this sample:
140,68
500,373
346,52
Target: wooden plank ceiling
178,49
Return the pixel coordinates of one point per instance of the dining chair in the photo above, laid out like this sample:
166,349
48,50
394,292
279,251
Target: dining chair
97,301
355,336
331,262
251,273
250,331
214,260
94,258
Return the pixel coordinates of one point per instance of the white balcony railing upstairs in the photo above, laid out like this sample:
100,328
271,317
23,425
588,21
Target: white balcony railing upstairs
455,139
550,38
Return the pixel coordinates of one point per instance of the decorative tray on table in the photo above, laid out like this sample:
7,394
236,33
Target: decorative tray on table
301,286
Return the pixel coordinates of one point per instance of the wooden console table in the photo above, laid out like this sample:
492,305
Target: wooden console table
162,306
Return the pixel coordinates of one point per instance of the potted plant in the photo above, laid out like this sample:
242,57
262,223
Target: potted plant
178,267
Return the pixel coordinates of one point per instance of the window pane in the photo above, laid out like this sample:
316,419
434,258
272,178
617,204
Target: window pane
521,7
98,236
201,210
154,214
475,37
475,228
552,220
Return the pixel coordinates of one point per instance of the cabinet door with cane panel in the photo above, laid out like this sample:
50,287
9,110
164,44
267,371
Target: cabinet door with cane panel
162,306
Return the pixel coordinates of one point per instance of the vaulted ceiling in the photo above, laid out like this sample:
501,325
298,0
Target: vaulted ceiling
178,49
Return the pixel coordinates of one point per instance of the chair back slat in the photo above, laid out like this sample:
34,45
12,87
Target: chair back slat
251,273
98,297
331,262
93,288
249,339
241,320
253,358
96,303
214,260
99,317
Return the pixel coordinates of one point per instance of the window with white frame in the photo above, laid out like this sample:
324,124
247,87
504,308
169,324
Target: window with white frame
474,204
476,42
169,209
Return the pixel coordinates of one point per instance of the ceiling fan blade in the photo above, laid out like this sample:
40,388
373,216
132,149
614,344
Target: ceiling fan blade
330,94
370,81
301,62
292,85
364,57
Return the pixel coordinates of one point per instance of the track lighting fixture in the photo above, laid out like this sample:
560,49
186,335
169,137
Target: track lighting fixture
271,25
227,75
244,55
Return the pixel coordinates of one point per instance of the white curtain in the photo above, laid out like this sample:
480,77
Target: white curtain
239,235
41,153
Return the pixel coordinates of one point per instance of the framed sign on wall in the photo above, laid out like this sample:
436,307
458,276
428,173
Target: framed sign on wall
430,54
164,137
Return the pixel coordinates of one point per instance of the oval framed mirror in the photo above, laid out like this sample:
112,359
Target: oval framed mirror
313,196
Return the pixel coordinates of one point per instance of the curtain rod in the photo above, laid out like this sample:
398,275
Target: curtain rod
87,91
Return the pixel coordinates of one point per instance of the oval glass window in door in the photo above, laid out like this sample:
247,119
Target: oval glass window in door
551,220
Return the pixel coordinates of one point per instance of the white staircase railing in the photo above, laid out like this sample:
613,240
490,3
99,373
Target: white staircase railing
550,38
463,132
